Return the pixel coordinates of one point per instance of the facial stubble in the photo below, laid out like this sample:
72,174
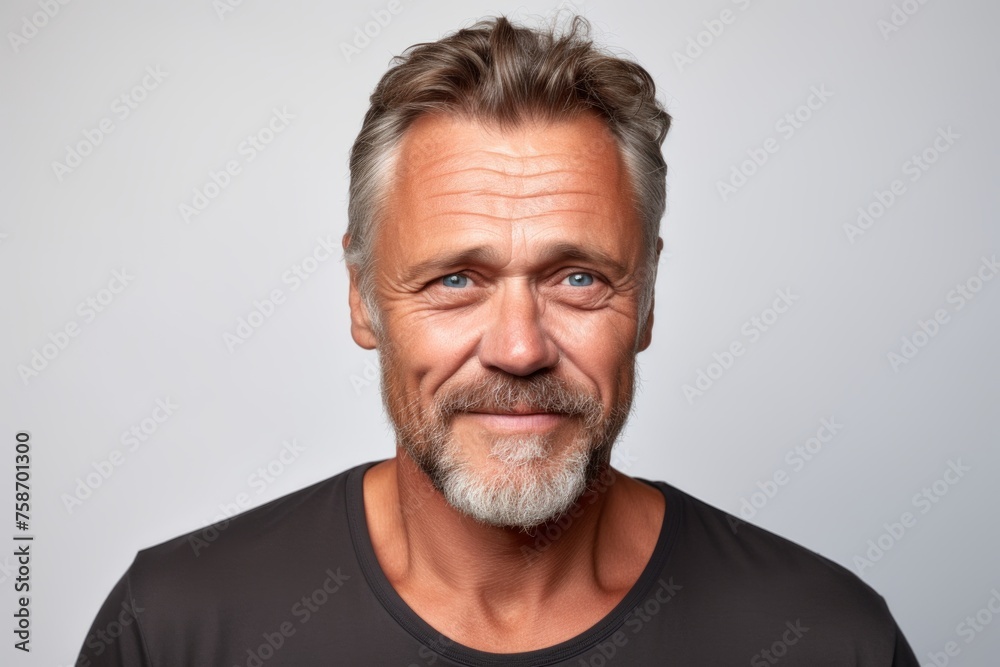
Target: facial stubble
533,479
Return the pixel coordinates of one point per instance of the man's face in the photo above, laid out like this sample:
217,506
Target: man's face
508,279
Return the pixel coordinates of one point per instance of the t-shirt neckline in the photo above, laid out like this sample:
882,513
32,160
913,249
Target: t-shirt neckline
464,655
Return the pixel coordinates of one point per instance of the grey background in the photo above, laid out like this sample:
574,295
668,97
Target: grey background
301,377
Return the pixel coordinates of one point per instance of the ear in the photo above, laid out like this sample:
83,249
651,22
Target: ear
361,326
647,333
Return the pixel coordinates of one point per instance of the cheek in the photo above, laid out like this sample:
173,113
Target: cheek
597,339
432,351
599,349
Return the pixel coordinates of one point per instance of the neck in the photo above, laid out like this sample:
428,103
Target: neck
601,543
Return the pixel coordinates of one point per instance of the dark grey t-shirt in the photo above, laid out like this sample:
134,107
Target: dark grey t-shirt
296,582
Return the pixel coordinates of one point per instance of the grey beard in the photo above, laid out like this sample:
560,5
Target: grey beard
528,493
536,484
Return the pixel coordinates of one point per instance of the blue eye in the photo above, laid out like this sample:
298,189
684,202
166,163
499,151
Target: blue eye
455,280
580,279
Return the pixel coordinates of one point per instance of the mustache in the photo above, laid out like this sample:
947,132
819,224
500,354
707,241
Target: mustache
507,393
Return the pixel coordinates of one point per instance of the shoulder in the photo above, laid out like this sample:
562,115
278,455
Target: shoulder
721,538
206,591
248,550
752,577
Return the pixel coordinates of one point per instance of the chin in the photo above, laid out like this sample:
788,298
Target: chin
524,493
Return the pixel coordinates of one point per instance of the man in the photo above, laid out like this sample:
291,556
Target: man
506,193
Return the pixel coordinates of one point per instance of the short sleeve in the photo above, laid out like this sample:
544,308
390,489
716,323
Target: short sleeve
115,636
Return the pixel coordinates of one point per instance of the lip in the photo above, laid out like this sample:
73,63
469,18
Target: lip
518,421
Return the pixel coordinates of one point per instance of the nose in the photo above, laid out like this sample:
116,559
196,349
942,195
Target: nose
515,340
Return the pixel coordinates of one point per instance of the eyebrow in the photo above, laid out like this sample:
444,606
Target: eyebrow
486,255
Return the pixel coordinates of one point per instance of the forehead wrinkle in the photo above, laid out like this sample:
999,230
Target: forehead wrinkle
509,195
494,183
520,206
452,185
506,218
507,174
502,163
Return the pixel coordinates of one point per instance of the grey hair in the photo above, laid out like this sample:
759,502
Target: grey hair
499,73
